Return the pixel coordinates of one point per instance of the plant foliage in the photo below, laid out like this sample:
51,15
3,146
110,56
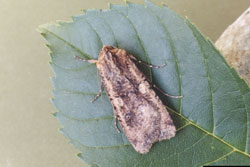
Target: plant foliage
212,118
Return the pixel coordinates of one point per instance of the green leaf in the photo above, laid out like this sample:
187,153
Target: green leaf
212,118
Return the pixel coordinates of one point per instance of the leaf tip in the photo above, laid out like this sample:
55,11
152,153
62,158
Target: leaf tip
164,4
79,155
42,32
62,131
84,11
54,114
43,29
40,28
49,46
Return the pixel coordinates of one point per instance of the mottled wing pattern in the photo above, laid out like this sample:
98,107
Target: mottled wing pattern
142,115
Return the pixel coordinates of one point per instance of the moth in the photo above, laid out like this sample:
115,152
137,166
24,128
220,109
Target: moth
142,115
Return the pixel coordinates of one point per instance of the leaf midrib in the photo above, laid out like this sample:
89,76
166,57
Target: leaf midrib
209,133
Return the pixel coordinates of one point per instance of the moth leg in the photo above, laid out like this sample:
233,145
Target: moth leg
91,61
116,127
99,94
146,64
166,93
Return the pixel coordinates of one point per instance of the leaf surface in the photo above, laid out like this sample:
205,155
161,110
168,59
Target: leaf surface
212,118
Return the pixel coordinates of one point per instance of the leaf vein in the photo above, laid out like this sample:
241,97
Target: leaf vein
69,44
74,69
88,120
211,134
140,41
208,78
97,147
223,156
175,56
113,34
225,118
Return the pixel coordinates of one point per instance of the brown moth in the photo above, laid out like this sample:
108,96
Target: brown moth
142,115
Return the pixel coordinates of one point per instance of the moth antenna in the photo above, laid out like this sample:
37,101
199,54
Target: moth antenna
146,64
151,65
91,61
176,97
